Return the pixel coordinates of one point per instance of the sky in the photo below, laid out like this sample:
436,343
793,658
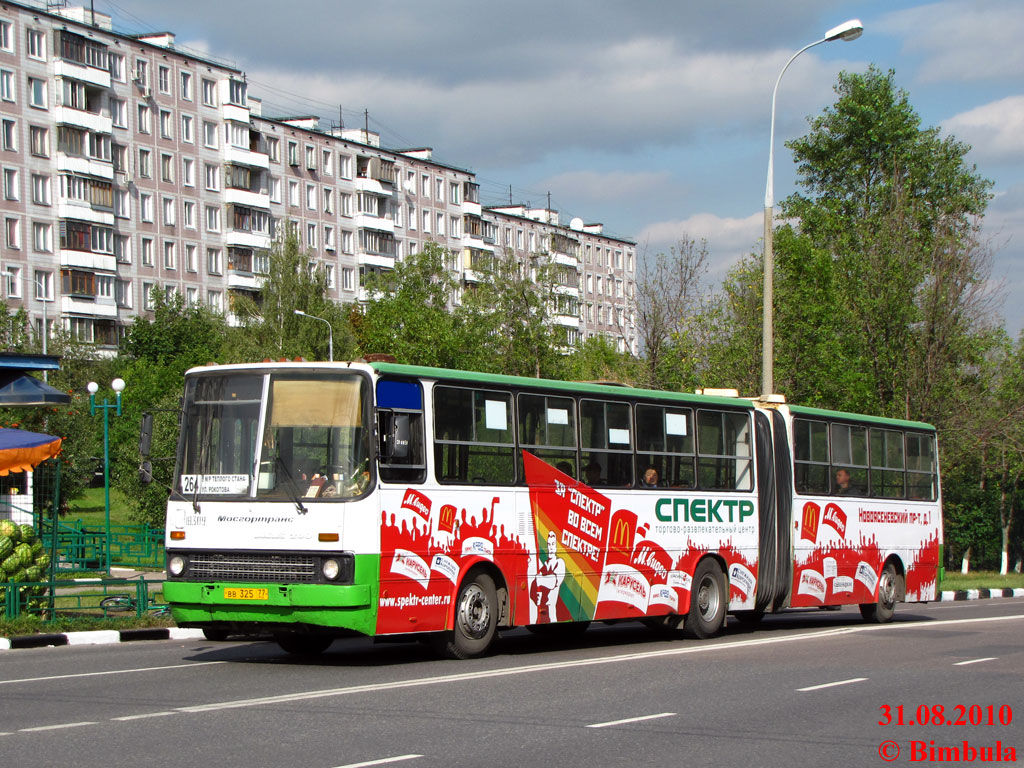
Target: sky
651,117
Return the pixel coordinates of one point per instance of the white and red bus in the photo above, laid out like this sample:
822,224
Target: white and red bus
318,500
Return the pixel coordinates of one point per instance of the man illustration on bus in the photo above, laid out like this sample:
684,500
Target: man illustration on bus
549,578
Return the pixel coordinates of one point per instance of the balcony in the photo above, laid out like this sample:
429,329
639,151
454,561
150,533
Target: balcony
69,305
87,74
376,260
235,112
82,211
245,197
369,221
79,118
246,239
243,156
89,166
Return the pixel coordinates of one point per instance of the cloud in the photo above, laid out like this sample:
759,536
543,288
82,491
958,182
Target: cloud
962,41
995,131
589,187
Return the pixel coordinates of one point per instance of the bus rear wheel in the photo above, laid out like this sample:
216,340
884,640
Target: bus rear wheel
708,601
476,619
882,610
302,644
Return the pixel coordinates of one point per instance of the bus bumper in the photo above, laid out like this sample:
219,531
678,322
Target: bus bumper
325,605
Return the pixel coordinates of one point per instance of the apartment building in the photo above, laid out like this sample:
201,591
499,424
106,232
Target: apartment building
130,165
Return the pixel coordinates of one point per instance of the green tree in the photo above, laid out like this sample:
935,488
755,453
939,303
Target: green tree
409,312
269,326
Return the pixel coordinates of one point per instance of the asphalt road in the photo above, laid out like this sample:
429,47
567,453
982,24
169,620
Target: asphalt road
806,689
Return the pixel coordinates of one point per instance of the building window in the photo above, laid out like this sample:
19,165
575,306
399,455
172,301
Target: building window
40,189
6,38
215,300
186,86
347,278
123,293
186,129
170,255
210,92
188,214
167,168
145,207
42,237
115,65
147,252
36,44
163,79
293,153
143,124
346,242
43,283
325,165
311,235
166,124
119,113
236,92
12,277
293,194
12,233
37,92
9,135
311,197
39,141
212,218
7,85
147,295
188,171
213,261
11,184
210,134
168,211
141,73
273,149
191,257
123,249
212,177
328,237
275,190
346,204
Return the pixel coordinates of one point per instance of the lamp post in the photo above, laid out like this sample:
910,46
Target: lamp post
330,333
848,30
118,386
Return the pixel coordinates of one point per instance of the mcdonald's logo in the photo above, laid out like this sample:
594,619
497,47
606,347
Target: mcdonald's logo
809,523
446,519
622,535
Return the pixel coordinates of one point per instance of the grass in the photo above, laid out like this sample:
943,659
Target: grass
90,508
981,580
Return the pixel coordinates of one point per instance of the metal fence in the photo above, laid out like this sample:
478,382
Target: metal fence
82,546
82,598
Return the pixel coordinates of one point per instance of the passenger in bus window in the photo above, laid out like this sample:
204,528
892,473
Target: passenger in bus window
843,487
593,472
650,478
565,468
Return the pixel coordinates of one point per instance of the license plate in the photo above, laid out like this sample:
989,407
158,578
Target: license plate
245,593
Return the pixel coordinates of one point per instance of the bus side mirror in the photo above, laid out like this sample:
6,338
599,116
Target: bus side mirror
146,473
146,434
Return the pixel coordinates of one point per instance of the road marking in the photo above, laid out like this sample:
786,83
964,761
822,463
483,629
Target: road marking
974,661
142,717
631,720
832,685
382,761
109,672
54,727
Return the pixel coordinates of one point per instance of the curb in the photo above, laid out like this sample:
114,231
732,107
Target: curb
98,637
979,594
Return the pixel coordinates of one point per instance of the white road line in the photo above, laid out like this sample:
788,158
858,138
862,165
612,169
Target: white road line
110,672
142,717
382,761
632,720
54,727
974,661
832,685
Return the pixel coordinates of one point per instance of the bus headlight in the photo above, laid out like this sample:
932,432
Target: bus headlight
176,565
331,568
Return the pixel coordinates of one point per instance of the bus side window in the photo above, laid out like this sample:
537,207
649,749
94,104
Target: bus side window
401,444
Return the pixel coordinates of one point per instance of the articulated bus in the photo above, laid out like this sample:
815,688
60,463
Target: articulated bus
322,500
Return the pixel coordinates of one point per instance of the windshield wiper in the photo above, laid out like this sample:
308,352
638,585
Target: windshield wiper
291,486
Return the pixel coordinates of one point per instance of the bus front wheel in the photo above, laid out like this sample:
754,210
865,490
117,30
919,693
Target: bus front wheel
881,611
708,600
476,619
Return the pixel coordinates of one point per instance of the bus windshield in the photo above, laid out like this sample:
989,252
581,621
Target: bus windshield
310,441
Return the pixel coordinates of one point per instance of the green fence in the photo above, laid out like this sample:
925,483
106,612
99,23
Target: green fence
82,547
85,598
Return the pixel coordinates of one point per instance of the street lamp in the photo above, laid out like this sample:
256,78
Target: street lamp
330,333
118,386
848,30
